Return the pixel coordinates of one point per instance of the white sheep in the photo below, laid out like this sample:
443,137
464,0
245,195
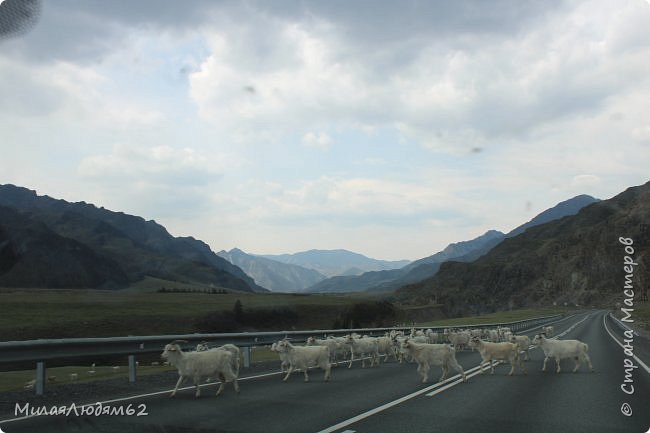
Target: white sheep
363,347
284,358
330,343
497,352
236,356
458,339
562,349
548,330
385,348
523,341
493,335
342,349
397,341
197,365
303,357
236,353
432,336
426,355
202,346
502,333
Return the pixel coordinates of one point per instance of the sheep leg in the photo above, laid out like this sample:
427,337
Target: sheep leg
512,366
222,380
351,358
491,367
577,361
425,373
456,366
586,358
327,369
197,380
288,372
557,361
544,365
220,389
181,379
445,372
305,368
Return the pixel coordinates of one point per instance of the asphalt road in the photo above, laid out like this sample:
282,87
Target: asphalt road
391,398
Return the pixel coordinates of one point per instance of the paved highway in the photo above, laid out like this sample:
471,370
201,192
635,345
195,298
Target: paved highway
391,398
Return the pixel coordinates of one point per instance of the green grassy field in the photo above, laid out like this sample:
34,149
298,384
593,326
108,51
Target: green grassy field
500,317
39,313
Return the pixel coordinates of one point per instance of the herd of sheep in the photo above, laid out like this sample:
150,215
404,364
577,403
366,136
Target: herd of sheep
426,348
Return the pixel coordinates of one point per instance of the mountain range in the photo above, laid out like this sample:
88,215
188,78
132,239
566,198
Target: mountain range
336,262
274,275
51,243
577,259
465,251
46,242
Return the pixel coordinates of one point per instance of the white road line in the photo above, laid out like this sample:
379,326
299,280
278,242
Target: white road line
636,358
474,372
381,408
429,391
445,384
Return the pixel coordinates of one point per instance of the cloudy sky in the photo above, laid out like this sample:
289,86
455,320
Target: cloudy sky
387,128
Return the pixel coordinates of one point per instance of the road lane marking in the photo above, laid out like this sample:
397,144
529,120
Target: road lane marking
428,391
383,407
636,358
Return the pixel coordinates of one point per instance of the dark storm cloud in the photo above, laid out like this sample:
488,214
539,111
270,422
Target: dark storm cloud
86,30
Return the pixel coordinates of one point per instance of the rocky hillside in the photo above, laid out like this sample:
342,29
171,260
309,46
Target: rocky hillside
271,274
464,251
48,243
576,259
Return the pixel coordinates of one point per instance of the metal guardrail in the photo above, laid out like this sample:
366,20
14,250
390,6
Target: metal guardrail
44,350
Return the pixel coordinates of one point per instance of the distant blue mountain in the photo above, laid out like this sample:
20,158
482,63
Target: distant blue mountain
465,251
272,274
336,262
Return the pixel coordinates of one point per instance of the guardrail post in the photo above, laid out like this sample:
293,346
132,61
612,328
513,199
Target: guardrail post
40,378
132,369
247,356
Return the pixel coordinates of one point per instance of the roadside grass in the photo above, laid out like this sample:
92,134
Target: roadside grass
500,317
18,380
642,314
